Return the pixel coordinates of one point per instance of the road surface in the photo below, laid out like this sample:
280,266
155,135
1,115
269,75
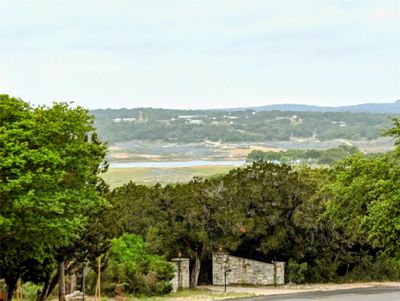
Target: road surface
379,293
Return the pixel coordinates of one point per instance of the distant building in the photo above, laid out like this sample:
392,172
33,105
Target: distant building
191,116
340,123
141,118
124,119
128,119
194,121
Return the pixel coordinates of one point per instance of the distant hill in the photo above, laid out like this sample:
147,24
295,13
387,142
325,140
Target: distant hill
391,108
271,123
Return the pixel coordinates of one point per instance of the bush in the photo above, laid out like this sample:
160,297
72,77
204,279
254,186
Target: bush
29,290
295,272
322,271
381,269
132,270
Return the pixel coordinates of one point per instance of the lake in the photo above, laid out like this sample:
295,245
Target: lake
176,164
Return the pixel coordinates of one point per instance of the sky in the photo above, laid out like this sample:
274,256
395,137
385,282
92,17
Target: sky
200,54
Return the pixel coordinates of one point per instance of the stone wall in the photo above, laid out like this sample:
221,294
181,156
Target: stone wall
182,274
279,272
246,271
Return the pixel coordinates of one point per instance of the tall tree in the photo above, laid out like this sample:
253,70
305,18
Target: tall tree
49,172
364,199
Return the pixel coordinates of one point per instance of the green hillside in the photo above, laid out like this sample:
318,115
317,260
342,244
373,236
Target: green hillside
235,126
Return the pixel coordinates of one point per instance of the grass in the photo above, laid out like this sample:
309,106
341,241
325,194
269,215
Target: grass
192,294
149,175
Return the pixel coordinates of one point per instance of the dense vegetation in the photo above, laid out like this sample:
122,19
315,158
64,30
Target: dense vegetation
304,156
49,190
235,126
56,215
131,269
334,224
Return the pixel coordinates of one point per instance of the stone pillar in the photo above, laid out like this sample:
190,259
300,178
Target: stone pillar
182,274
220,263
279,268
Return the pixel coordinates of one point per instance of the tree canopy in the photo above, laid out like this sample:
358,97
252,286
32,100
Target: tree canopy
49,176
364,198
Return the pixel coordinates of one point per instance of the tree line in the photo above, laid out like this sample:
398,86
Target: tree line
57,215
304,156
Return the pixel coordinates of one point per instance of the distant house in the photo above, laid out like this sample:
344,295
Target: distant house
194,121
191,116
129,119
124,119
340,123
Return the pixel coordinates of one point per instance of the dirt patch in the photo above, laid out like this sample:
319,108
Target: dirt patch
243,152
120,155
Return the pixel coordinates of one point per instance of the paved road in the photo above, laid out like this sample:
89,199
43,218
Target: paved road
379,293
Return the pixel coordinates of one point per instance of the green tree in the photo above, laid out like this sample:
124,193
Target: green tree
50,161
363,201
132,269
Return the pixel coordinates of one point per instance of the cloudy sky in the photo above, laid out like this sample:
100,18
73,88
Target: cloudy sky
200,54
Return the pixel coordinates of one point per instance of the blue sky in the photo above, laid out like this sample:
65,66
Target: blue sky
200,54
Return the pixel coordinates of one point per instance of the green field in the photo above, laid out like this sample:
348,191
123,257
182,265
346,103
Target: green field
149,175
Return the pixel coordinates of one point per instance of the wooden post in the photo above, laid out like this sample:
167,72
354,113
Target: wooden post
98,286
18,291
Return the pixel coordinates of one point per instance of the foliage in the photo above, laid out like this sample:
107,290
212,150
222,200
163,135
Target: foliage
275,212
263,211
131,269
364,201
29,290
310,156
48,184
381,268
295,272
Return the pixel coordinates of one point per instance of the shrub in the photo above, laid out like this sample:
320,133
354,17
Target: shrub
381,269
295,272
132,270
29,290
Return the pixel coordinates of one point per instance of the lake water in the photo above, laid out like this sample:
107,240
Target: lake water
177,164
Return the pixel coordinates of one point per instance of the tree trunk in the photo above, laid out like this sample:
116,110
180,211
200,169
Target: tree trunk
10,293
51,287
195,271
61,282
11,283
41,294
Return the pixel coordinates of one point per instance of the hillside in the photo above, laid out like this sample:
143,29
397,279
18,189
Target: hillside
188,126
391,108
